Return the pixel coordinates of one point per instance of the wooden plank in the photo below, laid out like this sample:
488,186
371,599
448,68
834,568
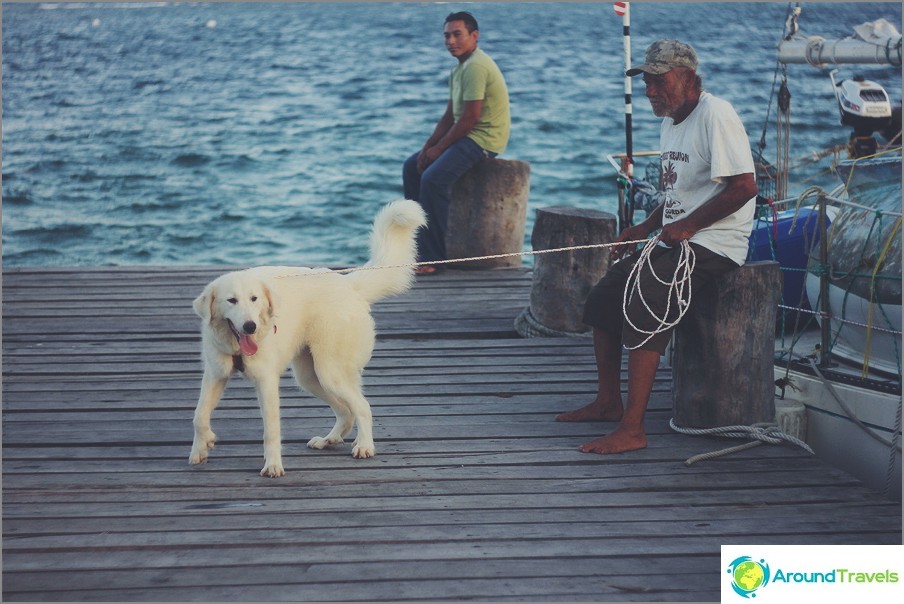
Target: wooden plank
377,571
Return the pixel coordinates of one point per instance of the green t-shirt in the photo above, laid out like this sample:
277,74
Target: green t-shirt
479,78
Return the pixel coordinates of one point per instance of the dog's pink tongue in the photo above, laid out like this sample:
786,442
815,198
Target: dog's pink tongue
248,346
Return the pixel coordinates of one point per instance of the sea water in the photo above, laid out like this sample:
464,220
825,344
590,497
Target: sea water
258,133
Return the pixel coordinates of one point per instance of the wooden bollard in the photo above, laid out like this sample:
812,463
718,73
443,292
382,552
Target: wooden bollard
722,371
562,280
488,214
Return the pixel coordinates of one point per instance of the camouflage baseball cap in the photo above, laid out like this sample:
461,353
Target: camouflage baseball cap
665,55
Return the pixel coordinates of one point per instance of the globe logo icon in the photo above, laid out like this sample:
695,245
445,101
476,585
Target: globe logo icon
748,575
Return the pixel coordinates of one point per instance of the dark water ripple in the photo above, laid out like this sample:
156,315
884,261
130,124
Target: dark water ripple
145,133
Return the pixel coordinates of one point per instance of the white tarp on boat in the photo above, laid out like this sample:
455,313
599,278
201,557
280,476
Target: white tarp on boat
880,32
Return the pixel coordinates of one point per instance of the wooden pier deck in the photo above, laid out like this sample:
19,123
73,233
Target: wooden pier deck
475,492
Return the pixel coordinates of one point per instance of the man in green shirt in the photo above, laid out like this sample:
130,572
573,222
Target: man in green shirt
474,127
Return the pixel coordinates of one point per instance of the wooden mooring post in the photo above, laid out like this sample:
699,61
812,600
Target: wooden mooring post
722,371
562,280
488,214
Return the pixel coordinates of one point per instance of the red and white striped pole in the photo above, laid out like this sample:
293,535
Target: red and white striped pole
623,9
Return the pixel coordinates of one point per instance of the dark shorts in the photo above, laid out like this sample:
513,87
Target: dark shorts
604,304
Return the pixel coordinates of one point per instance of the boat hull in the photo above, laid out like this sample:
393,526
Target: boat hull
866,334
836,438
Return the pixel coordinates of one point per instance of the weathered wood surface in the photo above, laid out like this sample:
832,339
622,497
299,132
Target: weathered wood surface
724,350
561,281
488,214
475,492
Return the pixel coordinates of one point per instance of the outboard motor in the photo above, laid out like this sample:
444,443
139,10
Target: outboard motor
865,107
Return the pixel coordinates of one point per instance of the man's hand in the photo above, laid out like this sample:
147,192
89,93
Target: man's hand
632,233
426,157
447,132
674,233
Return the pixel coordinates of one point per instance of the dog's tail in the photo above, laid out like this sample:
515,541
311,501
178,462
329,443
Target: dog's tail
393,245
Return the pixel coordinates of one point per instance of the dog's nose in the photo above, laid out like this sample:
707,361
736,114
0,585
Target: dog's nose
249,327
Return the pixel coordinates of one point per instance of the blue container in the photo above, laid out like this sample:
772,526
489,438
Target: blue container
772,239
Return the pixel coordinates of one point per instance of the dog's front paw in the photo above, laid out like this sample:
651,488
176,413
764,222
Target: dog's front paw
319,442
203,443
360,451
273,469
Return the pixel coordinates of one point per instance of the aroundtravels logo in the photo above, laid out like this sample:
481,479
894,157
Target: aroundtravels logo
790,574
748,575
872,572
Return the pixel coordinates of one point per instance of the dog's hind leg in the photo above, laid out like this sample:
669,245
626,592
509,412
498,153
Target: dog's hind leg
346,387
212,388
364,442
303,368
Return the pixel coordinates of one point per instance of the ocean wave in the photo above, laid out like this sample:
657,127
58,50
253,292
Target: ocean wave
54,233
99,5
152,206
35,257
241,162
231,216
292,68
139,177
51,165
304,222
88,176
61,137
183,239
191,160
68,37
14,198
142,84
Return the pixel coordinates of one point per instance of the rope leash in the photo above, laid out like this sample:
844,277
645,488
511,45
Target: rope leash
471,259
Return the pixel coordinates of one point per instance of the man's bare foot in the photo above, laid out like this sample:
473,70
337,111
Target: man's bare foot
618,441
594,412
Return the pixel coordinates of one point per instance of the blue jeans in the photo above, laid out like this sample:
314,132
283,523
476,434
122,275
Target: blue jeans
433,190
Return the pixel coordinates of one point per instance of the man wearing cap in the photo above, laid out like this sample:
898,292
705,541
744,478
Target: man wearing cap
708,200
474,127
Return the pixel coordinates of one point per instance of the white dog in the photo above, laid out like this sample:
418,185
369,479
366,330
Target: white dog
263,319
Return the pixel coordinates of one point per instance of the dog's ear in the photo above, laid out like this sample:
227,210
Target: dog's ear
271,300
203,304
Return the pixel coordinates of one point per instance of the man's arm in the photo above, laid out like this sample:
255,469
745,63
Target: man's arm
442,127
448,132
738,191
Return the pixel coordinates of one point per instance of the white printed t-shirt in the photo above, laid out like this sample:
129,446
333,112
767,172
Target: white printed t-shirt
696,156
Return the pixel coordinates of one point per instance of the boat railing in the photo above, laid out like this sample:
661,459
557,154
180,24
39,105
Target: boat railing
834,198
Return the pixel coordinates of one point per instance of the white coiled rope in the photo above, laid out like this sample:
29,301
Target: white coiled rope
678,285
765,432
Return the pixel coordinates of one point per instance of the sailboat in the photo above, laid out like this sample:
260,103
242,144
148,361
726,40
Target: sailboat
841,369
